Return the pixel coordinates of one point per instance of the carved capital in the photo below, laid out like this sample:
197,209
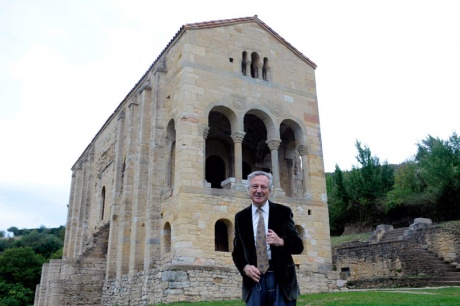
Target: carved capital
273,144
303,150
238,137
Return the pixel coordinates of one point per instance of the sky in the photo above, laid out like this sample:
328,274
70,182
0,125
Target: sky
388,76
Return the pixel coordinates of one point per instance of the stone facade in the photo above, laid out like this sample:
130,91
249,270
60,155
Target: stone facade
154,194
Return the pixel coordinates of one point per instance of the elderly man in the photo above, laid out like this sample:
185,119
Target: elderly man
262,250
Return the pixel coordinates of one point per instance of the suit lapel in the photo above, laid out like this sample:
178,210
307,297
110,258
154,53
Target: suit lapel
248,228
271,215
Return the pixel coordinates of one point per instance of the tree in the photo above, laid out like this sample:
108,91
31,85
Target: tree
13,230
366,185
21,266
338,200
42,243
15,294
439,172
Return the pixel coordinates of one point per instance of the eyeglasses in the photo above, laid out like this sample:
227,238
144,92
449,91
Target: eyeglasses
255,187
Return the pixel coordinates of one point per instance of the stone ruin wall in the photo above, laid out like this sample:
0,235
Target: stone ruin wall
189,284
398,259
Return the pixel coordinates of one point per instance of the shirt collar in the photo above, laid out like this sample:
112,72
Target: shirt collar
264,208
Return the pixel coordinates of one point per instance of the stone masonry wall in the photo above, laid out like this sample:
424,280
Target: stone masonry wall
394,263
399,258
193,284
444,242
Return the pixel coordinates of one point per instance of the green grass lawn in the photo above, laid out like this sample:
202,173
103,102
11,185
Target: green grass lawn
400,297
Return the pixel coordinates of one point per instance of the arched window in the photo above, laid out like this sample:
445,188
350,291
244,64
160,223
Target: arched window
102,207
171,161
221,236
172,165
166,233
215,171
255,65
265,69
244,62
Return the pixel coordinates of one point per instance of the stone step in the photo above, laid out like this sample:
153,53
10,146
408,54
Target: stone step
449,275
445,283
393,235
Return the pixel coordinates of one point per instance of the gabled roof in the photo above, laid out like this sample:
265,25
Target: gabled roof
226,22
220,23
197,26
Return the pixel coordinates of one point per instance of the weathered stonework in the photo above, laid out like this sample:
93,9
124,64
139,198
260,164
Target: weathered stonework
154,194
401,262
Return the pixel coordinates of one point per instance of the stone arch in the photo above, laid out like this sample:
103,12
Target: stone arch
291,175
259,127
263,114
299,130
219,146
223,235
231,116
294,163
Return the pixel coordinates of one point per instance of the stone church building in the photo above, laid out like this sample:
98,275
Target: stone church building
154,194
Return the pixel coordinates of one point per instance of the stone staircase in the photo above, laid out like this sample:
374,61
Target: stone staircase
393,235
448,274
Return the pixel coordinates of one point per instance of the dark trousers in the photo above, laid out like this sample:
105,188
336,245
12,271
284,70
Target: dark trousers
267,293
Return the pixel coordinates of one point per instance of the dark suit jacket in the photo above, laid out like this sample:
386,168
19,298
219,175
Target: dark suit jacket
281,221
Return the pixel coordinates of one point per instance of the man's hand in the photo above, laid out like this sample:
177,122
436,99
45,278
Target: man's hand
252,272
274,239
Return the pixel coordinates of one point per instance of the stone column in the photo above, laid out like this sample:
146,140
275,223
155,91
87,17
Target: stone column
157,172
137,248
77,206
205,136
127,196
273,145
259,70
87,198
247,67
112,255
290,180
70,211
303,151
238,153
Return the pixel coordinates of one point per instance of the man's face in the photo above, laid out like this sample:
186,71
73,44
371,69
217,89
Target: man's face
259,190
